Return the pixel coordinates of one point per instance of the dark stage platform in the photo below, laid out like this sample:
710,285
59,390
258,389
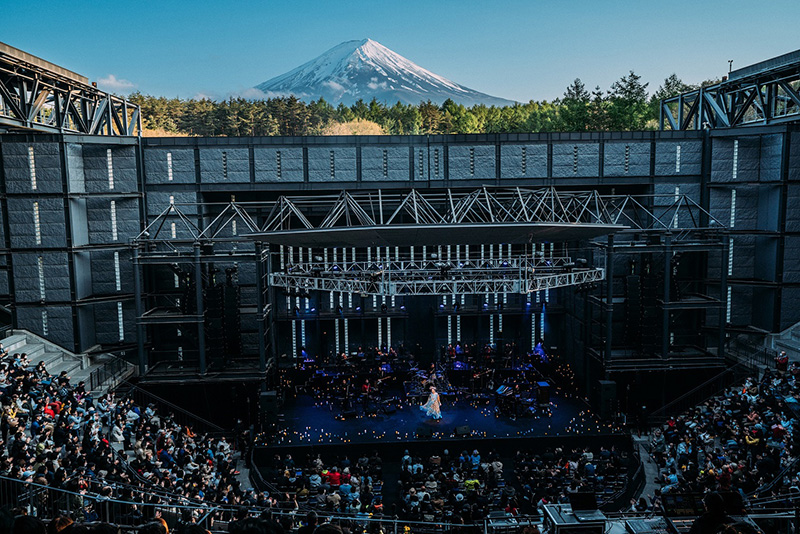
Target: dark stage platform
305,422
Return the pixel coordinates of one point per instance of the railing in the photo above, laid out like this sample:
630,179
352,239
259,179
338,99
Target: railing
699,394
111,369
92,504
751,354
177,414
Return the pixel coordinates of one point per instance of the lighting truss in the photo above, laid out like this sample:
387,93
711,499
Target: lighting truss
633,216
412,281
37,95
261,221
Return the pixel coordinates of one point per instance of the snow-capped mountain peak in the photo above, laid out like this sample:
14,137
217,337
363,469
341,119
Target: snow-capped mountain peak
365,70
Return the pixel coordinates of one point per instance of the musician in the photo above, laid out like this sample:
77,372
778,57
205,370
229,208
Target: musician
366,389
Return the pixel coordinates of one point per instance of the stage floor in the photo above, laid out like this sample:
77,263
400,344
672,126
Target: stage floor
305,422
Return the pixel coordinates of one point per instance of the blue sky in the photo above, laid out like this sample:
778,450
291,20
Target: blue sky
520,50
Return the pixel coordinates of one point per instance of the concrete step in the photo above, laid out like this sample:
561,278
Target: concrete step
11,343
69,365
50,359
33,350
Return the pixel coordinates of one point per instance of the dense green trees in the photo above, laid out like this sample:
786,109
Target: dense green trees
626,106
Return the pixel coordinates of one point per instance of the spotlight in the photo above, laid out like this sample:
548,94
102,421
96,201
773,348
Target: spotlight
313,310
485,305
505,263
441,306
403,307
335,268
358,308
527,304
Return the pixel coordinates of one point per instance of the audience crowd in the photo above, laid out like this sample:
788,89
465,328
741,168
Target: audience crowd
744,440
55,434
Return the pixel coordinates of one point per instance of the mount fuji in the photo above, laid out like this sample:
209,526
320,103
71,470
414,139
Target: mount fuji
365,70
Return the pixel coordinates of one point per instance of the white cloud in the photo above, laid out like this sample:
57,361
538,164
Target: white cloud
334,85
112,84
373,84
253,93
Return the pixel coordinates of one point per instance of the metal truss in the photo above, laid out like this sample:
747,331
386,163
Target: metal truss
765,93
263,221
437,282
484,205
37,95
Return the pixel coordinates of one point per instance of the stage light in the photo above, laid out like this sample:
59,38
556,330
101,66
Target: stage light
335,268
441,306
403,307
313,310
527,304
485,305
505,263
358,308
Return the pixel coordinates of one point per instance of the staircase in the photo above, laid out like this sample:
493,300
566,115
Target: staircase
788,340
100,372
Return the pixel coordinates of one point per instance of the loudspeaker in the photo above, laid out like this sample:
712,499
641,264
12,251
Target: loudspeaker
424,432
463,430
606,399
542,393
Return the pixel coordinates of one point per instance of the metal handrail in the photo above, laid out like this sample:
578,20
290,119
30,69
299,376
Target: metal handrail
214,428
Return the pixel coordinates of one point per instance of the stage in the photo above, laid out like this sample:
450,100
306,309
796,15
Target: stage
306,421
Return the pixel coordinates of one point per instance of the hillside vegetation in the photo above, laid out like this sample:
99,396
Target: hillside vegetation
625,106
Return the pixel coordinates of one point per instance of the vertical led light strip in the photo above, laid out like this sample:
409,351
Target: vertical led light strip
37,223
449,320
347,324
120,322
110,165
169,166
118,278
32,168
677,159
40,266
114,230
677,209
533,324
728,307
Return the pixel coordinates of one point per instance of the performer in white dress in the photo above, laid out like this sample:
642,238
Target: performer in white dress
433,406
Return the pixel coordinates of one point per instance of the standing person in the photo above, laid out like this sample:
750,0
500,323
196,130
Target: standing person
433,406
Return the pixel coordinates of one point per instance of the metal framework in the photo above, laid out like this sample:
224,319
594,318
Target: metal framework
40,96
764,93
519,274
304,244
446,217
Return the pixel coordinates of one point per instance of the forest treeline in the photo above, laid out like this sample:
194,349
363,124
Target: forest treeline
625,106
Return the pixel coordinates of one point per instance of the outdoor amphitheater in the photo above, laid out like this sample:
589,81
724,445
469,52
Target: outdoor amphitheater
571,333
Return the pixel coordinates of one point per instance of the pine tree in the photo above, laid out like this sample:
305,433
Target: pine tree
574,107
628,103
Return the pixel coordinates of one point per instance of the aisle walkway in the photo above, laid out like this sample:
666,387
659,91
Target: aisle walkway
650,467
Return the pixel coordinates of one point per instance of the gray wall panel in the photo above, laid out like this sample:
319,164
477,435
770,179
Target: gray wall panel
267,168
332,164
